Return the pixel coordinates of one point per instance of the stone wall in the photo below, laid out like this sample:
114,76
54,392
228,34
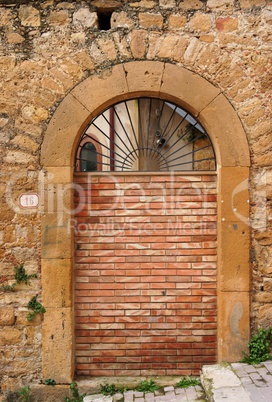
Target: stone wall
48,47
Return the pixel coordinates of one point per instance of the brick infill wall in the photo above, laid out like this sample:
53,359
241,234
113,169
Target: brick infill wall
145,273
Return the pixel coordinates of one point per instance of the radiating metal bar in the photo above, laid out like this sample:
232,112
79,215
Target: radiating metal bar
128,137
109,137
180,138
105,135
132,126
184,146
188,153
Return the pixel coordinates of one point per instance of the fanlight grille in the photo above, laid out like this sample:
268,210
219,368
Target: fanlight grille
144,134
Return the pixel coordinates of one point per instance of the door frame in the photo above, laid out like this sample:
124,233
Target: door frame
215,113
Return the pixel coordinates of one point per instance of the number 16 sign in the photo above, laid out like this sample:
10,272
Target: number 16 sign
29,200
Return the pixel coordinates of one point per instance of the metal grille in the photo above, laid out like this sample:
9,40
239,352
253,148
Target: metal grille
145,134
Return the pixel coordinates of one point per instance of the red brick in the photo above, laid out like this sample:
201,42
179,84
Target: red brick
148,270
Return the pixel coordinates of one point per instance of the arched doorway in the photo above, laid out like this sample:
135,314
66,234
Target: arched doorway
145,237
204,102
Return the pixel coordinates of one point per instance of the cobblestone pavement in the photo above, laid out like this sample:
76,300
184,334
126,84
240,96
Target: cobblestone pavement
256,380
167,394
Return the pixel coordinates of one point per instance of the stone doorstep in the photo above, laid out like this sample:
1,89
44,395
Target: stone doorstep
220,384
57,393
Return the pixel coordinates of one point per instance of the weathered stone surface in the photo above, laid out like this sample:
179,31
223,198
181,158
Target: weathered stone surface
220,4
29,16
167,3
149,20
138,48
86,18
144,4
251,3
200,23
227,24
191,5
121,20
15,38
58,18
177,21
7,316
265,316
10,336
108,5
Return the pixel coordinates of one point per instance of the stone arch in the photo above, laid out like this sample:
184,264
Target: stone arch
215,113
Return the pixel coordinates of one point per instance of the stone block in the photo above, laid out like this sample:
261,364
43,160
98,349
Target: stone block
121,20
227,24
45,393
21,319
177,21
219,5
191,5
188,89
58,18
53,175
58,356
233,257
69,117
265,316
7,316
226,132
29,16
233,195
137,43
57,198
58,283
200,23
150,20
56,236
233,325
94,95
144,77
10,336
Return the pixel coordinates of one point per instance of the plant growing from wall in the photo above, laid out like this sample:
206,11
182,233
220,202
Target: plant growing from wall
259,347
25,394
20,277
50,381
36,307
76,397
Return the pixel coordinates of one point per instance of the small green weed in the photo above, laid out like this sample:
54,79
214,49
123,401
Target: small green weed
20,277
186,382
25,394
259,347
147,386
110,389
75,393
36,307
50,381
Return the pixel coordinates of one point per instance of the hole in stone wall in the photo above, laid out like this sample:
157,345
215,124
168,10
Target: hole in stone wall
104,20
